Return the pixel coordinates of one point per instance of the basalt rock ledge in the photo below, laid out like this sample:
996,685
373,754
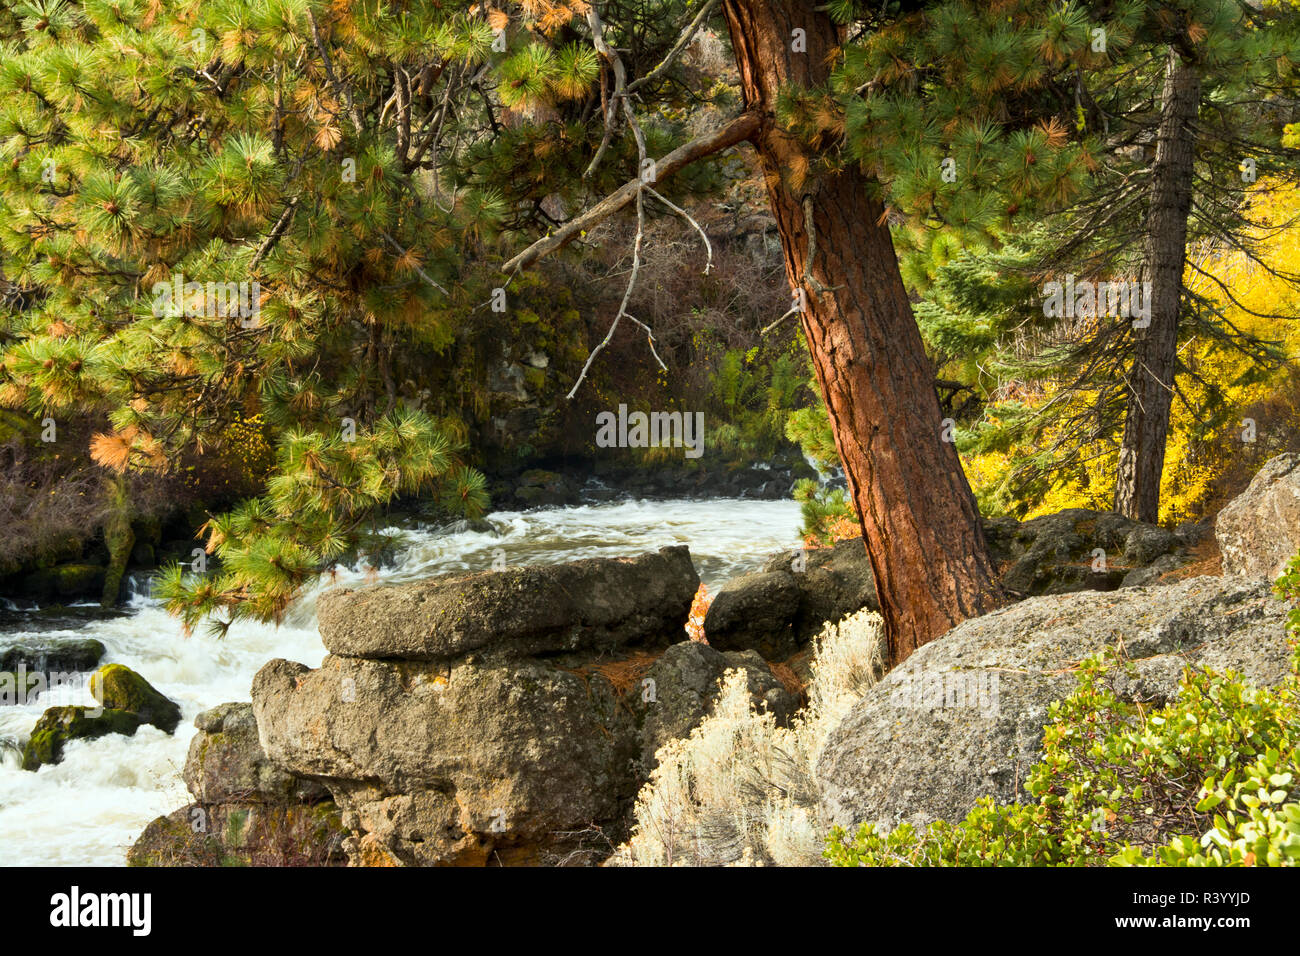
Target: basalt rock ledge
500,718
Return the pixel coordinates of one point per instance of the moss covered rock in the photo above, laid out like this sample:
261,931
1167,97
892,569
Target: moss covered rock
226,763
65,581
252,834
120,688
59,654
58,725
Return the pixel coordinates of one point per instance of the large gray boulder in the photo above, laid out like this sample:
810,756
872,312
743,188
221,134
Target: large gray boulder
1259,530
451,765
833,583
484,736
963,717
778,610
593,604
756,612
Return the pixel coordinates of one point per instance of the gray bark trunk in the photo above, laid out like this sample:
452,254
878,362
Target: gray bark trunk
1155,350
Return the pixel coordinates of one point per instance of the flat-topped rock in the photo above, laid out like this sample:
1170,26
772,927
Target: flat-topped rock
595,603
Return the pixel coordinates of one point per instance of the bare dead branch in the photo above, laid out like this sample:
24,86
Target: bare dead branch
773,324
650,337
627,293
620,81
683,41
740,129
708,246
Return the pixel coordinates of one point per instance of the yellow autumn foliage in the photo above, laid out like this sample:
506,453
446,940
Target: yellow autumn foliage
1204,467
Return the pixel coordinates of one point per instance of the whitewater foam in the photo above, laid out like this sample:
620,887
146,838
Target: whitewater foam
88,809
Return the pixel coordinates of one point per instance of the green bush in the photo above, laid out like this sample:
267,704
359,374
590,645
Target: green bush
824,510
755,394
1207,779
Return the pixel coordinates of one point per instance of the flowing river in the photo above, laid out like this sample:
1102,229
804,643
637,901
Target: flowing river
88,809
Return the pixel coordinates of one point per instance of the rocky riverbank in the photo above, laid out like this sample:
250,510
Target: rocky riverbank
511,717
595,481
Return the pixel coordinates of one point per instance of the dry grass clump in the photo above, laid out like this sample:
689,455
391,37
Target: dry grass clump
740,790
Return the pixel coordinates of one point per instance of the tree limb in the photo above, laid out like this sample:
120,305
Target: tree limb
741,128
683,41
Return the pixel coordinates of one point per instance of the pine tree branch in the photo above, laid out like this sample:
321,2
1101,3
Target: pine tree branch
422,274
277,231
341,92
740,129
683,41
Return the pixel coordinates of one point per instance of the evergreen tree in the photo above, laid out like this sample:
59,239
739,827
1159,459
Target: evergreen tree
238,210
214,211
1092,80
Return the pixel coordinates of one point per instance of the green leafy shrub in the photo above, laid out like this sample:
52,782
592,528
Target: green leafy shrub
1206,779
755,393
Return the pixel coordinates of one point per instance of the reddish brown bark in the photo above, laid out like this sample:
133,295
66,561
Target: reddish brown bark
918,515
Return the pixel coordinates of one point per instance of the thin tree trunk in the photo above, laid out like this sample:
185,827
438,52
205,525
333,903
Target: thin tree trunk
1155,350
919,519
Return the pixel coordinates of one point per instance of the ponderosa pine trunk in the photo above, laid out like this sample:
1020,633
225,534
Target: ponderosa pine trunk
919,520
1155,348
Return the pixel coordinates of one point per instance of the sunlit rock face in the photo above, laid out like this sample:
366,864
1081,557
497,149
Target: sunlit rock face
1259,530
499,718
